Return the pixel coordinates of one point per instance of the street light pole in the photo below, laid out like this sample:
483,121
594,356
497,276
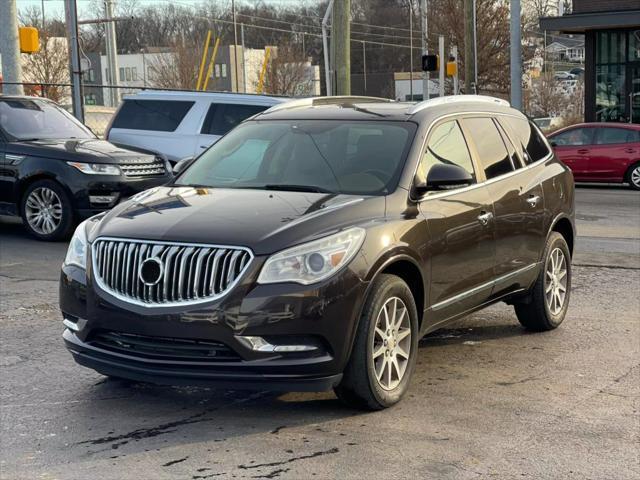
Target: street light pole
516,56
425,49
112,54
235,44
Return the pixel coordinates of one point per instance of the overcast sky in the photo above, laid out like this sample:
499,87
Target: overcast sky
56,7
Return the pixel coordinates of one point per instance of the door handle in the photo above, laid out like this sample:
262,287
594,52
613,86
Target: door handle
485,217
533,200
630,150
583,150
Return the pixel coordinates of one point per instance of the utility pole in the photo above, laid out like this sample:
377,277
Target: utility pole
10,48
425,48
341,35
516,56
112,54
475,46
469,61
71,16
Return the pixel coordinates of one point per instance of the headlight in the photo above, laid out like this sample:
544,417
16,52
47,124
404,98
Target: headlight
96,168
77,252
313,261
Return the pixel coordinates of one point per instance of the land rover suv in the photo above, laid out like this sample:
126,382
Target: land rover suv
313,245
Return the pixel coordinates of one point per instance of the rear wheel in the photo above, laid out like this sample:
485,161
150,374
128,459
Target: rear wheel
546,305
633,176
385,349
46,211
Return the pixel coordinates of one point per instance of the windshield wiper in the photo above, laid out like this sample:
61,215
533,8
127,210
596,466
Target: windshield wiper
296,188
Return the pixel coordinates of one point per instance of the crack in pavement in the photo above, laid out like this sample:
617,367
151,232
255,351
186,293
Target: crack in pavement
291,460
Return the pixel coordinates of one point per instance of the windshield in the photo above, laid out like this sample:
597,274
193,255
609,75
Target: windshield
26,119
306,155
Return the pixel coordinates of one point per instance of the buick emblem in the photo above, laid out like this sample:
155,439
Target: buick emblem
151,271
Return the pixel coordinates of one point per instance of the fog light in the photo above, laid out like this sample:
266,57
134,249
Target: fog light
259,344
103,199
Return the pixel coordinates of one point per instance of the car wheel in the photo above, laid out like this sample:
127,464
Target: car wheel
385,349
633,176
46,211
548,299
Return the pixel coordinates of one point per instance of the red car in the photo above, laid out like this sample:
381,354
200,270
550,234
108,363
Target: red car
600,152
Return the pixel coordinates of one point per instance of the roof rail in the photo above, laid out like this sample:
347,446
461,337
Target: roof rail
333,100
433,102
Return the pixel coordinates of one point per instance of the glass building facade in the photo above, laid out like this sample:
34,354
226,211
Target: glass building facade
611,30
617,76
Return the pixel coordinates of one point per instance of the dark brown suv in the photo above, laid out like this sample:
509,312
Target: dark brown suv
312,246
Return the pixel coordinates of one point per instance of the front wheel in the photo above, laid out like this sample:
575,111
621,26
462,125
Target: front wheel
633,176
385,349
47,211
546,305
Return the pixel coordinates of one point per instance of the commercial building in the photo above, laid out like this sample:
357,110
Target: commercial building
611,31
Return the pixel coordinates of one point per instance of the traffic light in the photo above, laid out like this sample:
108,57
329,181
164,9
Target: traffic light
29,41
430,63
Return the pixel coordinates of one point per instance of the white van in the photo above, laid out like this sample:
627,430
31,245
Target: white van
181,124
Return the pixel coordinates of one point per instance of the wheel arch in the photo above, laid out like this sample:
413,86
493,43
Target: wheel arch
564,226
408,269
24,184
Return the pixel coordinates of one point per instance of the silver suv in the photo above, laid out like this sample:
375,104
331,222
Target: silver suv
181,124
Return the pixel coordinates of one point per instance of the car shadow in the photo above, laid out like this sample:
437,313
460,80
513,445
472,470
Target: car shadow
202,414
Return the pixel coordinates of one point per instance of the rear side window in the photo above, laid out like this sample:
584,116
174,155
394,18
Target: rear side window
533,145
155,115
446,145
574,137
223,117
607,135
492,153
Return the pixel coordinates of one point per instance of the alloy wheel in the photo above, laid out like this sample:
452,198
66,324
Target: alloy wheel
555,281
391,343
635,176
43,210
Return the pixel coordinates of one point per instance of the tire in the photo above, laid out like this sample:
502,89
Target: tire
546,303
46,211
360,386
633,176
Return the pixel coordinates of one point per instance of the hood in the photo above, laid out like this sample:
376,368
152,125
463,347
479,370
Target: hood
265,221
79,150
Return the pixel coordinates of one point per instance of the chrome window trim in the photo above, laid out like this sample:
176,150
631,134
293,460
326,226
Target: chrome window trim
105,289
447,193
492,283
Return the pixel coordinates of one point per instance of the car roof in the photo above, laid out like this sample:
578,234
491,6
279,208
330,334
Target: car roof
24,97
372,108
628,126
210,96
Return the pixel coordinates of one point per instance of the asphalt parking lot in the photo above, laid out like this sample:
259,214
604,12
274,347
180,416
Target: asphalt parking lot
488,399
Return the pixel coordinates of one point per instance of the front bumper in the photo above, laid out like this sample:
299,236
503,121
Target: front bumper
92,196
324,315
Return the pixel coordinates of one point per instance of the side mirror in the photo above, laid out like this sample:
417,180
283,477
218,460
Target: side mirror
442,176
182,165
553,144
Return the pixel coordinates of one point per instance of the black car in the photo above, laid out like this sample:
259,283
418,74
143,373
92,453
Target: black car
312,246
55,171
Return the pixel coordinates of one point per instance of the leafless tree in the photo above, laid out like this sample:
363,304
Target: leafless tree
177,68
287,72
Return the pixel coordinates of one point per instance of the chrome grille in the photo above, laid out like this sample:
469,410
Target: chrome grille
143,167
189,273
